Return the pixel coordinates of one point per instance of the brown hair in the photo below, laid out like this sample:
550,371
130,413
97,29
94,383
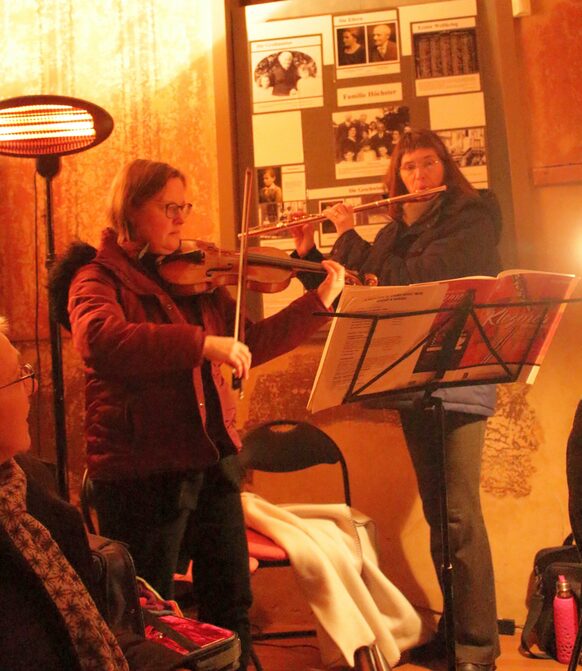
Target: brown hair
354,32
421,138
270,171
133,185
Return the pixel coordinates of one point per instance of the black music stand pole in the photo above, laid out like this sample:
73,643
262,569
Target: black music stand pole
433,404
433,407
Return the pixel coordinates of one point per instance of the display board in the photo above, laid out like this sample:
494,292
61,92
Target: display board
331,95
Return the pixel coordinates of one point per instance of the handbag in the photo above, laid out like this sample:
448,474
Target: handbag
549,563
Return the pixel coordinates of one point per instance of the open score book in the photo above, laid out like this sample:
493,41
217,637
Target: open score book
403,352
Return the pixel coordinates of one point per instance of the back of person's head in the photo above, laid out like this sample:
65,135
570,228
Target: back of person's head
422,138
5,375
15,389
4,343
133,185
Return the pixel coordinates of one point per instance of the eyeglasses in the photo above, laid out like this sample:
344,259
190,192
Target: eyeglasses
28,376
172,210
429,165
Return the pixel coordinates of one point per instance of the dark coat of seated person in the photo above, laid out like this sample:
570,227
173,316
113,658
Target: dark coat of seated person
48,618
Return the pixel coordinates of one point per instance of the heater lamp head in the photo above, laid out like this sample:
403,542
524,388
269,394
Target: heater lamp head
45,125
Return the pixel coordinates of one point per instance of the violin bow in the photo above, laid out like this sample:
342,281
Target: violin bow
239,323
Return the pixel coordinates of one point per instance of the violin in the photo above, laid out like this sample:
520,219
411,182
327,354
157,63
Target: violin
201,266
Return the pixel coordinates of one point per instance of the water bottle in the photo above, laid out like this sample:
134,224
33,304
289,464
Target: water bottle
565,620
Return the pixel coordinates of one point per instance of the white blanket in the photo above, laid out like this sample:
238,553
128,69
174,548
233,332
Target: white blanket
336,565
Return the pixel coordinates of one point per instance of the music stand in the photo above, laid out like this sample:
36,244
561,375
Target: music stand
444,337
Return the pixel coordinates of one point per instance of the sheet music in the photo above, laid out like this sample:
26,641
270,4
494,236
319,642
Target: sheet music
519,334
392,338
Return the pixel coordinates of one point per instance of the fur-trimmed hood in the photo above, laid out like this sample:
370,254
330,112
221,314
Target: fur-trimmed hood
61,275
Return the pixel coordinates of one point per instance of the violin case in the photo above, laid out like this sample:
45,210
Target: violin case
129,603
205,647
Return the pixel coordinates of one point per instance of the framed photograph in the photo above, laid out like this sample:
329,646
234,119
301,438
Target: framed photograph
364,139
468,148
287,74
366,44
445,56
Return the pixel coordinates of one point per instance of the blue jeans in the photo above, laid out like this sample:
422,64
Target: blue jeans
475,614
198,515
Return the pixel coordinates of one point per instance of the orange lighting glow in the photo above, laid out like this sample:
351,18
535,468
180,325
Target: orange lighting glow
47,129
51,125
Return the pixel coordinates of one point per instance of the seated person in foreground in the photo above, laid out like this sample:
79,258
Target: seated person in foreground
48,619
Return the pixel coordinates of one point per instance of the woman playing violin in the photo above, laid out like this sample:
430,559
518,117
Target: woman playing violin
160,421
453,234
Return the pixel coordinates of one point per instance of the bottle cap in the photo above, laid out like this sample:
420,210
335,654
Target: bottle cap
562,586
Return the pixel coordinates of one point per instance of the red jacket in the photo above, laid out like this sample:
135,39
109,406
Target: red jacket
146,407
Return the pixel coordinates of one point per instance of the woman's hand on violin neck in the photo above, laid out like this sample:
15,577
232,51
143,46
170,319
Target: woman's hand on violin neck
224,349
304,238
333,284
341,216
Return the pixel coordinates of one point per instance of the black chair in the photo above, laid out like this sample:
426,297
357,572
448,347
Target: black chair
286,446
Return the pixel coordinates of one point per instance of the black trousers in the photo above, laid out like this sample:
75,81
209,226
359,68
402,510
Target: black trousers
574,474
196,515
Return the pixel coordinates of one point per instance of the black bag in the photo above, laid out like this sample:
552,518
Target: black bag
115,585
549,563
204,647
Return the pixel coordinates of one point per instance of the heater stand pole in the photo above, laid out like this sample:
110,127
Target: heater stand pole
48,167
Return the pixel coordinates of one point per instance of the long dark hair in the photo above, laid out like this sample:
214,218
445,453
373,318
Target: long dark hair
422,138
